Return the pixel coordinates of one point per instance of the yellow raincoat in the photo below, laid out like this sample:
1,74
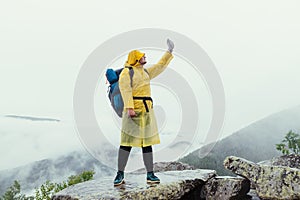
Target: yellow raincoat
141,130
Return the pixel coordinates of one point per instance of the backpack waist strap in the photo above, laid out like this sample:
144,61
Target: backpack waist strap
144,101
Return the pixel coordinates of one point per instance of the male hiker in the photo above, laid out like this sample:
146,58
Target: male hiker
139,128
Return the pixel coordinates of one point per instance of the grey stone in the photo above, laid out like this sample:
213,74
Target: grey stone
167,166
174,185
271,182
63,197
226,187
292,160
253,195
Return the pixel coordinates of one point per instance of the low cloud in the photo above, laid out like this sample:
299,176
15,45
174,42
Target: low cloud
23,141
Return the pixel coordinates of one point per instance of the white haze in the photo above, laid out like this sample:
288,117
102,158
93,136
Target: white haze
254,44
24,141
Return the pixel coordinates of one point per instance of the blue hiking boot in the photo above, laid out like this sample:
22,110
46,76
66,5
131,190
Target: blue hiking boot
119,178
151,178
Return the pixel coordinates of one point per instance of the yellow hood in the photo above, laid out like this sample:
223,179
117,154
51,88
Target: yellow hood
133,58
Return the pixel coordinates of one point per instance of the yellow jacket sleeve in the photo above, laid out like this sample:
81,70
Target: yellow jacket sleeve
125,88
160,66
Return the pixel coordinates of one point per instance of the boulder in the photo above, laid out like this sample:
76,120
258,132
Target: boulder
226,187
166,166
271,182
184,184
292,160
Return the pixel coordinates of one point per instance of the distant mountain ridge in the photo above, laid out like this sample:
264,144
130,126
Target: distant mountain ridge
256,142
32,118
57,170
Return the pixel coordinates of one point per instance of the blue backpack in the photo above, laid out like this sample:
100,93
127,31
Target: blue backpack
114,94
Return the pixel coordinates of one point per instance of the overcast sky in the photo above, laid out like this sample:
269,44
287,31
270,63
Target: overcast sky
254,45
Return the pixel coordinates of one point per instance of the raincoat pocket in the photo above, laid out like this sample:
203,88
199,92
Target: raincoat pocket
131,126
143,125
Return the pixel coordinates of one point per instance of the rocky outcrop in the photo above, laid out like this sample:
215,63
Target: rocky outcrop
226,187
292,160
167,166
271,182
185,184
179,181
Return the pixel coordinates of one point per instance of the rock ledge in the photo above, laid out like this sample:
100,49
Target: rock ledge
185,184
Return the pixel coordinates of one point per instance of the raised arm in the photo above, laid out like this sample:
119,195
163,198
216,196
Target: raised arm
156,69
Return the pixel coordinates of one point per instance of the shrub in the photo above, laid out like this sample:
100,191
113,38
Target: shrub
46,190
291,142
14,193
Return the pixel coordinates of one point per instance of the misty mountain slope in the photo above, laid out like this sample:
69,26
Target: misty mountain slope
27,139
56,170
256,142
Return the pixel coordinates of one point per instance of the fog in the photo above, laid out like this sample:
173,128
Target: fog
254,46
24,141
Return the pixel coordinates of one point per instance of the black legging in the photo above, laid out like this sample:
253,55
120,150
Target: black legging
124,152
146,149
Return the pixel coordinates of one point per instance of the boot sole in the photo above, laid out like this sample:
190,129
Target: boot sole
148,181
117,184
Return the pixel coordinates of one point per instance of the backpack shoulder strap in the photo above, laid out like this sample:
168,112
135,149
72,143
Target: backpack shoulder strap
131,72
146,71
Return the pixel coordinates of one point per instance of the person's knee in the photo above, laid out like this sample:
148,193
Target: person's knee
147,149
125,148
